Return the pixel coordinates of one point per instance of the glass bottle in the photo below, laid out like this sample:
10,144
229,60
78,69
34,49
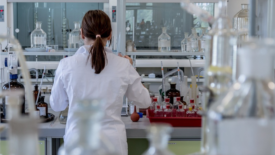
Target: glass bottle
158,110
240,22
202,40
185,47
167,108
38,37
172,92
12,85
194,41
193,105
164,41
87,139
35,95
158,136
63,116
242,120
221,57
43,107
180,110
154,103
74,36
190,112
175,106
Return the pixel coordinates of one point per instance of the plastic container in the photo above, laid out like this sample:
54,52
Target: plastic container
175,121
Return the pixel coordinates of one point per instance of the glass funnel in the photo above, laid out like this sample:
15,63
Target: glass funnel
164,41
74,36
158,135
38,37
240,22
87,139
242,121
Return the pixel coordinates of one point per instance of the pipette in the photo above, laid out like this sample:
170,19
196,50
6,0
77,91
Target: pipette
191,67
163,87
39,90
178,70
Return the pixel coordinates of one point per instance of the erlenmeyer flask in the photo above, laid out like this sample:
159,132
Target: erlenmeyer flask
158,135
242,121
86,139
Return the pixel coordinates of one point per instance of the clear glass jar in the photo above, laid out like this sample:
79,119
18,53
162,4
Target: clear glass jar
240,22
74,37
242,121
38,37
164,41
194,41
158,135
202,40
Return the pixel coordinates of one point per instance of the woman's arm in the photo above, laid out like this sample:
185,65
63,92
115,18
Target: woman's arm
59,98
136,91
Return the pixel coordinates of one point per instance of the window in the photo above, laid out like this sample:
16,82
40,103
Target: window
146,15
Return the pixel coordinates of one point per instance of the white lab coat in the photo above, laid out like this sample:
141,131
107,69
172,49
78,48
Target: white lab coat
75,80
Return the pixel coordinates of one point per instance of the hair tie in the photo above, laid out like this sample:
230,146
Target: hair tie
98,35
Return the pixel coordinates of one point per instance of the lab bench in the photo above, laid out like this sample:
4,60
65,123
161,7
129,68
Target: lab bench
52,132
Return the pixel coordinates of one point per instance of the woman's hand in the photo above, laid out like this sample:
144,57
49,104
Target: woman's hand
127,57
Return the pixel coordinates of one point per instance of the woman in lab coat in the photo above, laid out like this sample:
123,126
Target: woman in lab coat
95,72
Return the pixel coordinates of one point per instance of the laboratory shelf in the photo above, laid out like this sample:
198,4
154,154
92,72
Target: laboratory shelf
156,53
49,53
147,63
159,80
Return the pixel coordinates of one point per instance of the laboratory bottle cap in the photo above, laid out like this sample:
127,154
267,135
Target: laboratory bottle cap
155,99
178,98
13,76
167,100
191,101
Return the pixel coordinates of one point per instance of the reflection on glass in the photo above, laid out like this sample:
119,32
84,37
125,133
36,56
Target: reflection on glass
57,20
150,18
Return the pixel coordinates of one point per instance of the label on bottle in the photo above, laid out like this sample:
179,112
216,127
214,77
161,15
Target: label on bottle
245,136
167,106
38,40
75,39
42,111
194,44
158,106
180,106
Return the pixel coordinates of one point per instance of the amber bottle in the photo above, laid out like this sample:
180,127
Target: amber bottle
35,95
43,107
13,85
172,92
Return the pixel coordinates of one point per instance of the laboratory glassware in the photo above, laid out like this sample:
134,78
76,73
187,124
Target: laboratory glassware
167,108
193,105
154,103
135,116
172,92
224,42
185,43
164,41
190,112
158,110
180,109
74,36
202,40
194,41
175,106
87,138
242,121
13,84
63,116
43,107
158,135
38,37
240,22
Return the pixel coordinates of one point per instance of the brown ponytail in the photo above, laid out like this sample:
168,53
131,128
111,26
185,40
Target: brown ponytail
96,25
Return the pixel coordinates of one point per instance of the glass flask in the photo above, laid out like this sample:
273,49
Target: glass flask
167,108
242,121
194,41
185,47
190,112
43,107
175,106
202,40
63,116
193,105
38,37
164,41
154,103
224,42
74,36
87,139
240,22
158,135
